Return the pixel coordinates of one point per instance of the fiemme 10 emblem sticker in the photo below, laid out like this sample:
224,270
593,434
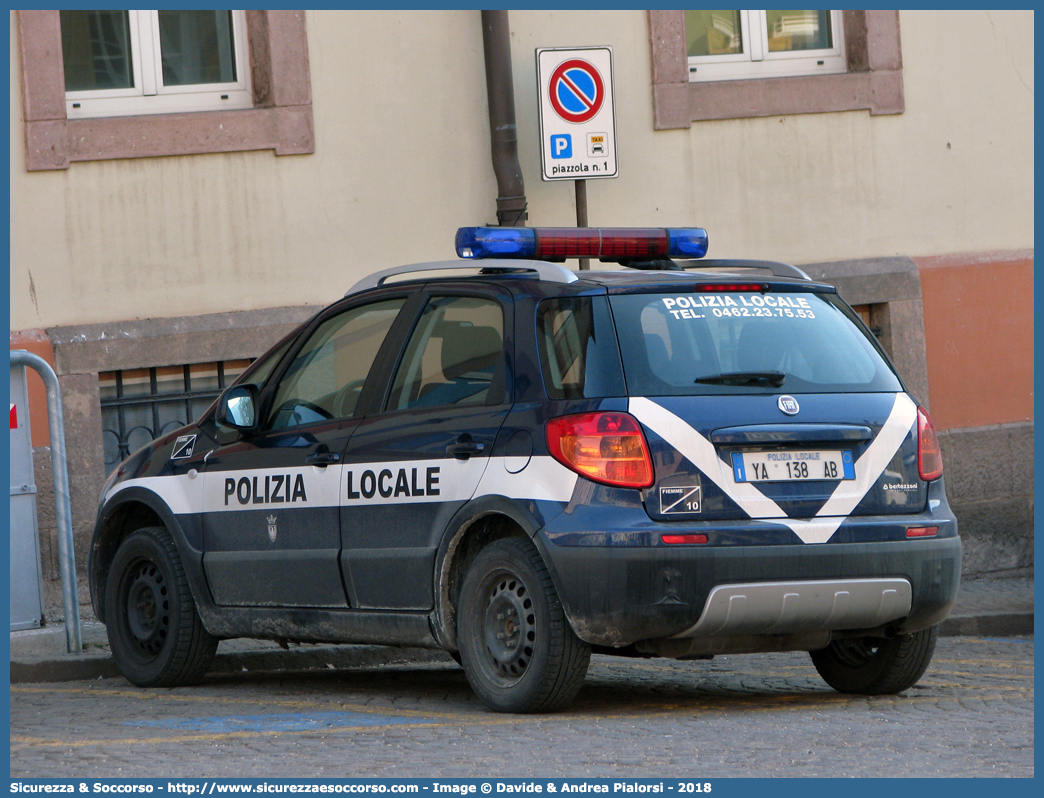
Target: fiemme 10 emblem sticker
680,499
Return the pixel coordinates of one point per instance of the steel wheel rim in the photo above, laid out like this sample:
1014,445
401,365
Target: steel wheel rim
147,608
509,628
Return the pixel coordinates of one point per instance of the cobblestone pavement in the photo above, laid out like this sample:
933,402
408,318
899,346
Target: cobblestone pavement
758,715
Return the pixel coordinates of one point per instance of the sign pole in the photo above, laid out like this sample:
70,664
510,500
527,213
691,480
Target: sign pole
577,119
581,214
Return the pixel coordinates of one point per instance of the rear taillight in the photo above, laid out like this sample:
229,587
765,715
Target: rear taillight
605,447
929,455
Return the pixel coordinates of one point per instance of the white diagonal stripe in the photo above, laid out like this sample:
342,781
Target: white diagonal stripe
868,468
818,530
878,455
702,454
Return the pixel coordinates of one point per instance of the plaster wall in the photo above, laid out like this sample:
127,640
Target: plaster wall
402,141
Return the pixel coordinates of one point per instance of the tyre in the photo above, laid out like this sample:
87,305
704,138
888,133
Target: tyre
155,634
518,650
875,666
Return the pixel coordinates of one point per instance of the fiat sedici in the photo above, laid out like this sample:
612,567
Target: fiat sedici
523,464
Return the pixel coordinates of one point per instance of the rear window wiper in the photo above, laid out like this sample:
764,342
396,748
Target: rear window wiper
745,378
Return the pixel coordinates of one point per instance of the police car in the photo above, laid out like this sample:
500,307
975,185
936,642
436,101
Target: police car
523,464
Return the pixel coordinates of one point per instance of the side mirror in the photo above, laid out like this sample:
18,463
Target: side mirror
237,408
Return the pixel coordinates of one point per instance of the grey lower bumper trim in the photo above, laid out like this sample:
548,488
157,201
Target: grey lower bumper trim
789,607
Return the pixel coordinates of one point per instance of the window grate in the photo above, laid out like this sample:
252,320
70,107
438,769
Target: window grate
869,314
139,405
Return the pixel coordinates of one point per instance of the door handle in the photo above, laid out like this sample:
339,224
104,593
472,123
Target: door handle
322,458
465,447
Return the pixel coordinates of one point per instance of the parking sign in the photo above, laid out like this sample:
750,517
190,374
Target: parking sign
577,113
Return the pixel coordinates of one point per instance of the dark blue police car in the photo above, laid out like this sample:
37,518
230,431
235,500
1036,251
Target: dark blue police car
522,464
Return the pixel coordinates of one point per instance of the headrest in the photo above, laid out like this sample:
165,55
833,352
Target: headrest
466,348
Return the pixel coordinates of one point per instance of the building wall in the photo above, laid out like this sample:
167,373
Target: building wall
133,263
402,139
978,323
980,348
821,186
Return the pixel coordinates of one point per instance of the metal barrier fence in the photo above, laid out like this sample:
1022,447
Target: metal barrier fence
63,507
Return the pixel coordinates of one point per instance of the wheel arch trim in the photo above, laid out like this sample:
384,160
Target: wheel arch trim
111,529
443,616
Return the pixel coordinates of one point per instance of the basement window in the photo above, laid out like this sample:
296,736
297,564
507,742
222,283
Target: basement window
139,405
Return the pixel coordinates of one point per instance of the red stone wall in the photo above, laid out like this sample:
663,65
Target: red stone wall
978,328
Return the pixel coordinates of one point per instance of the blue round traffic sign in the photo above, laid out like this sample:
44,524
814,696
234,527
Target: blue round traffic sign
576,90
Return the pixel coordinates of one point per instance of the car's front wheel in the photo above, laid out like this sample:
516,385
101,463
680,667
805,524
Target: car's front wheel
518,650
155,633
876,666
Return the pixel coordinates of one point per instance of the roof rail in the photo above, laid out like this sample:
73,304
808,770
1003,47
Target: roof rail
777,268
552,272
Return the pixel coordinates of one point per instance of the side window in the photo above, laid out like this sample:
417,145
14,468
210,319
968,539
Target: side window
455,356
261,373
579,356
327,375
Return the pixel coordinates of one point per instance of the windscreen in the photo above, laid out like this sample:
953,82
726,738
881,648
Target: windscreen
696,343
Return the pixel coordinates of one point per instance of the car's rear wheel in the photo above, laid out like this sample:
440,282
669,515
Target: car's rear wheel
155,633
518,650
876,666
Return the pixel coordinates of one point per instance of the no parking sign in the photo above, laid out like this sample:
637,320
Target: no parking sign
577,113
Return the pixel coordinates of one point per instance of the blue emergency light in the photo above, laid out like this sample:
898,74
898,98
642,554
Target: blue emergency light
605,243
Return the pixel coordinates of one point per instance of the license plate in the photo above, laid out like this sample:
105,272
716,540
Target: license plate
795,466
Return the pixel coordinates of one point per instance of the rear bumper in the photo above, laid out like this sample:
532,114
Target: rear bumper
814,605
619,595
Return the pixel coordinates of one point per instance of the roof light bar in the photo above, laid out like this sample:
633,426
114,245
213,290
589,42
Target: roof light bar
605,243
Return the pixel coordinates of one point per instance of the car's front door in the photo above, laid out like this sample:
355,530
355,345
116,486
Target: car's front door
410,468
271,498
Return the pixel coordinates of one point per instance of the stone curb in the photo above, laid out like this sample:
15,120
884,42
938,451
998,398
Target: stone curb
99,664
69,668
994,624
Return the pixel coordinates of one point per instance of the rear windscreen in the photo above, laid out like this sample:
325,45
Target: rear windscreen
684,344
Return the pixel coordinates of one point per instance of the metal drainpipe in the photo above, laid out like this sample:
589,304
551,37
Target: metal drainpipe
496,43
63,507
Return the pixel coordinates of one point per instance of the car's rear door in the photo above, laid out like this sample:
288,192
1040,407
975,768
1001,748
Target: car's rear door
408,469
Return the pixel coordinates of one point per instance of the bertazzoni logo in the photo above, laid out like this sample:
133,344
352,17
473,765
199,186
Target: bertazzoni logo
789,405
